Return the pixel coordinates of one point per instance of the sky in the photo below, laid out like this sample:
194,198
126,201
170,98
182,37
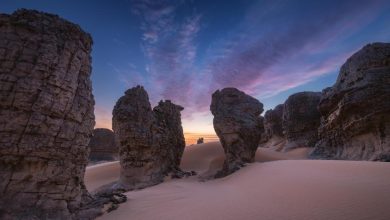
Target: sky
184,50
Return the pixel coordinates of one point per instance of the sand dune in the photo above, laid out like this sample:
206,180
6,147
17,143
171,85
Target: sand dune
285,189
207,158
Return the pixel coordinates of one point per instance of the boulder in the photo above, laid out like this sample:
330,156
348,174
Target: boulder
46,115
301,119
238,125
103,145
151,142
355,111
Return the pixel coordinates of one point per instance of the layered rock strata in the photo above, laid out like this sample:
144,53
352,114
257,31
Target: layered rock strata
355,111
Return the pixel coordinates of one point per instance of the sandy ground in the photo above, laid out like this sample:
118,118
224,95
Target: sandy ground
100,174
283,186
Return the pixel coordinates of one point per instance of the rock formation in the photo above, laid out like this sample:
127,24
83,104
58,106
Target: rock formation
301,119
46,118
46,114
238,126
273,122
355,112
151,141
103,145
200,141
273,130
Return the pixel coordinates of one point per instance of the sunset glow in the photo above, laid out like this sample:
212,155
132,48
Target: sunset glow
185,50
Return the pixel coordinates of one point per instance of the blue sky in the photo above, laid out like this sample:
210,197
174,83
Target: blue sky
185,50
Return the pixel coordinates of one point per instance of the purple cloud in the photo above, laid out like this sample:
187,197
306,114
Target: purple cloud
169,47
248,59
277,46
270,54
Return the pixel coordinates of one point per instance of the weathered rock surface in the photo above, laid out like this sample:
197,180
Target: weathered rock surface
103,145
46,117
238,126
273,136
46,114
301,119
151,141
355,112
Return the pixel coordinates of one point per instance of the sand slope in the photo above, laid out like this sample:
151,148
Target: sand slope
285,189
101,174
209,157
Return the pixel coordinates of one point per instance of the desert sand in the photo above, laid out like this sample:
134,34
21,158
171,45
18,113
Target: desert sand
279,186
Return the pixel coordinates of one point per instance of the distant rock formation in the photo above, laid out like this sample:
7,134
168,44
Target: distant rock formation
46,118
273,130
238,126
200,141
151,141
273,122
355,112
301,119
103,145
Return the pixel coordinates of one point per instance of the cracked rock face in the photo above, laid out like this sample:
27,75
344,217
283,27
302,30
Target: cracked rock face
238,126
103,145
46,115
355,112
301,119
151,141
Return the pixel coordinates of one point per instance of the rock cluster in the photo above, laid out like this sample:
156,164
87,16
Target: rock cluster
238,126
151,141
355,112
301,119
46,115
103,145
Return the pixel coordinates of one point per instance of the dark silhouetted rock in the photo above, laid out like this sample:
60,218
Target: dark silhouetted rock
301,119
273,122
46,118
355,112
151,141
273,136
170,135
200,141
104,146
238,126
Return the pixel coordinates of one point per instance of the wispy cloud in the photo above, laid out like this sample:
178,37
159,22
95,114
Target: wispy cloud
279,35
277,46
169,47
